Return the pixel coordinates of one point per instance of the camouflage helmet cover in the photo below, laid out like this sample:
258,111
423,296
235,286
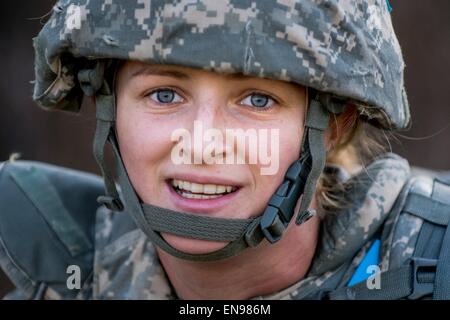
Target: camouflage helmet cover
344,47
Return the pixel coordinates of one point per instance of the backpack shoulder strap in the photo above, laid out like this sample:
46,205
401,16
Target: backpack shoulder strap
433,242
427,273
47,220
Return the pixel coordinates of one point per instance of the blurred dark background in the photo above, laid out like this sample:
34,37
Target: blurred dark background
423,29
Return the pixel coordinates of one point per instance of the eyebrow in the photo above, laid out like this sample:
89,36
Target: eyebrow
153,70
158,71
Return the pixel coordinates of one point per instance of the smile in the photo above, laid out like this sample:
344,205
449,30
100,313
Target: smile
192,190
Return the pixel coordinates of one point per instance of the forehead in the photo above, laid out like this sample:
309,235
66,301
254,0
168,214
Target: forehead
135,69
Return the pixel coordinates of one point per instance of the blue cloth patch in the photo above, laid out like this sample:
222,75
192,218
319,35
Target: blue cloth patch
371,258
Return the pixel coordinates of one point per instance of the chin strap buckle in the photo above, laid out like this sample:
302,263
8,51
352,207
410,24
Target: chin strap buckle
280,209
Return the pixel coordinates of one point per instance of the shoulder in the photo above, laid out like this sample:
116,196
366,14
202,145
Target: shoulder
412,226
415,253
416,246
47,217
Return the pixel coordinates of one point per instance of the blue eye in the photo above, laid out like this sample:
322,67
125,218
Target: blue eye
165,96
259,101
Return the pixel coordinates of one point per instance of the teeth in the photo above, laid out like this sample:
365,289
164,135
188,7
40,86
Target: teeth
209,188
197,196
196,187
201,190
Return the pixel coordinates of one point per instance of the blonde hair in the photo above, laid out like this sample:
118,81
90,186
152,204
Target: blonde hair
357,146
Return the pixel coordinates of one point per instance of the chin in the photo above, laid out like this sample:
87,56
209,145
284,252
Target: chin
193,246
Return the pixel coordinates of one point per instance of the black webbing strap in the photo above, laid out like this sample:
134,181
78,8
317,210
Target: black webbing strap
413,280
441,191
442,283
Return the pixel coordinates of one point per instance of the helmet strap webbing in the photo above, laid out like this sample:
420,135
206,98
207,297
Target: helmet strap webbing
240,233
316,124
105,121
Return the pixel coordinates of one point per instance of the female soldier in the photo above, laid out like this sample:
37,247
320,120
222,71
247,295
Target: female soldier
207,222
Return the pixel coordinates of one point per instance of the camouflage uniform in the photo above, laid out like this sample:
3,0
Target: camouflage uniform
343,50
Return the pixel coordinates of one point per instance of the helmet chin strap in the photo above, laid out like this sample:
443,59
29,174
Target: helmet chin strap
300,179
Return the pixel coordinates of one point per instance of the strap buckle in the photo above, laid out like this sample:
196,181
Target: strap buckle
111,203
280,208
423,275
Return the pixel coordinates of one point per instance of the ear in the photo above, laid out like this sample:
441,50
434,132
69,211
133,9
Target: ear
340,126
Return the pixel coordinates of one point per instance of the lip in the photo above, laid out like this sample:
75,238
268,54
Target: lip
202,206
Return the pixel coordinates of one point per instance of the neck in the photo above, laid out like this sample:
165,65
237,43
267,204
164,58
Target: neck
258,271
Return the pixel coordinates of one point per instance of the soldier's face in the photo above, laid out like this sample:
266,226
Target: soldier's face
180,133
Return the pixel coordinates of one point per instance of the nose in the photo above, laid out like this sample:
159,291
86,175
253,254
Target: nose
207,132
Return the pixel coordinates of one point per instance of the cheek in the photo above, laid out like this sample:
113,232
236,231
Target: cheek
290,143
143,146
285,152
284,143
